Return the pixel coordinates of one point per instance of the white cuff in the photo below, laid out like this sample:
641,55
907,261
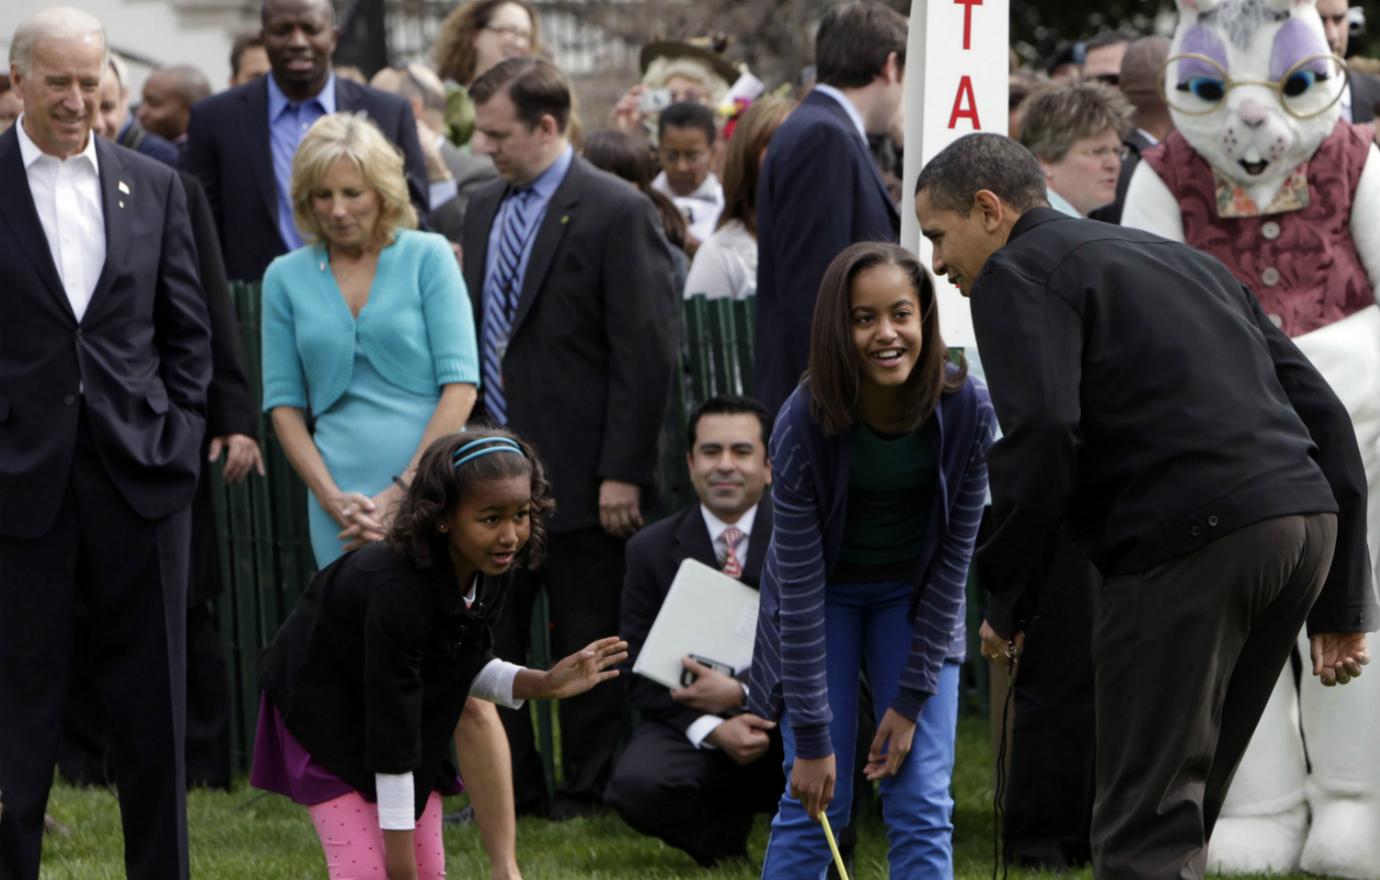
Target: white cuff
699,730
495,683
397,806
443,191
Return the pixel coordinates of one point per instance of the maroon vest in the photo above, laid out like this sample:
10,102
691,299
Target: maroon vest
1301,264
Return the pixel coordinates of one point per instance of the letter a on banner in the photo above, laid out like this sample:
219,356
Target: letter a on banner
956,81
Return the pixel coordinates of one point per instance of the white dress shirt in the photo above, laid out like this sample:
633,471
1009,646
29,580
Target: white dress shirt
701,208
704,725
1346,102
67,196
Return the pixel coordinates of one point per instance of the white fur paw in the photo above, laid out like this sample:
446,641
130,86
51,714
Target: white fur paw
1258,844
1342,841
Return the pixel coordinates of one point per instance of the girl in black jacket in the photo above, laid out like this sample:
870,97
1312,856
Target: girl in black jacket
365,681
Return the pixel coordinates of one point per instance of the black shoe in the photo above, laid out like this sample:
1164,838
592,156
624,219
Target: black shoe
846,851
460,817
566,808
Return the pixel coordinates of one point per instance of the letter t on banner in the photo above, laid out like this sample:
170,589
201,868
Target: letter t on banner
957,61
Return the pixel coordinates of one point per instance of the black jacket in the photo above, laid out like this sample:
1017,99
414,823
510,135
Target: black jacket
654,556
138,362
371,670
1147,401
229,149
231,405
1365,96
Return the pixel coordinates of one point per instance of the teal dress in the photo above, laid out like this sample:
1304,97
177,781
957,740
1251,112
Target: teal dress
372,381
366,438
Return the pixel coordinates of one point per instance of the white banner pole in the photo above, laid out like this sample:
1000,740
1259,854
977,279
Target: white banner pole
957,61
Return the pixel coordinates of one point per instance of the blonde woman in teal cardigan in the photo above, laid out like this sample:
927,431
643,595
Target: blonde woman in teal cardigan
369,327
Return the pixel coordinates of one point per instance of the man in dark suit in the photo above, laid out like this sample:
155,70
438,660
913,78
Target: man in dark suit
104,363
697,768
240,142
1207,469
820,190
1361,100
571,277
455,174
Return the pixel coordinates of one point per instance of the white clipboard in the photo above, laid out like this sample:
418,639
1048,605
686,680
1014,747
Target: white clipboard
706,612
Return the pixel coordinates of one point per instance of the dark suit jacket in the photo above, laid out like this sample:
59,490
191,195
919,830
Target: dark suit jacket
471,174
228,149
230,404
137,138
371,670
588,369
654,556
1147,402
820,192
1365,96
1135,143
140,355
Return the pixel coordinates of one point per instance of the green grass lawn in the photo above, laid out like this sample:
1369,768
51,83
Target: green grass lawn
265,837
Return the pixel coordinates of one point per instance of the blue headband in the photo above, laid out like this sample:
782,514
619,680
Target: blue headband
484,446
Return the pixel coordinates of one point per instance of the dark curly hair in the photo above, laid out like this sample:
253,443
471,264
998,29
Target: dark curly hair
438,487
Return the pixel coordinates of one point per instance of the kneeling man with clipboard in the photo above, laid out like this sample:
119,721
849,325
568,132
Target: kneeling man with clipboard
699,765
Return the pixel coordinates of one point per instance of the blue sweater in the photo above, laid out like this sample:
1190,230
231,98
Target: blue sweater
417,329
810,497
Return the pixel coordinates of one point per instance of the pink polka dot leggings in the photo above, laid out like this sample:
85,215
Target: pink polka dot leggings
348,827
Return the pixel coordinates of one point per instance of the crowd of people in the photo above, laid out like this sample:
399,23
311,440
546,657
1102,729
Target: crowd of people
470,332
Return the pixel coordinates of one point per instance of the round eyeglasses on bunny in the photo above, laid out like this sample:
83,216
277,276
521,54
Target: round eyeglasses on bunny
1201,85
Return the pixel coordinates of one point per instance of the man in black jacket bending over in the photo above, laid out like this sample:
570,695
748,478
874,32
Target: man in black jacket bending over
1206,468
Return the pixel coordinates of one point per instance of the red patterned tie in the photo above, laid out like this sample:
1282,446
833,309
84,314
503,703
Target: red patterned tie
732,566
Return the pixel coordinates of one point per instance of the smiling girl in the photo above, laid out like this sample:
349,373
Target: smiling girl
880,465
365,681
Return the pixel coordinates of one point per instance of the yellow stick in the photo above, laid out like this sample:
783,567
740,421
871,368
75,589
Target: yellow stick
833,845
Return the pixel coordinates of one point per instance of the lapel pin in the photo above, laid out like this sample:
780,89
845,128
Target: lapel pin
124,187
565,218
121,203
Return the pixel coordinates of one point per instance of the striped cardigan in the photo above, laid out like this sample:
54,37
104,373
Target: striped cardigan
809,497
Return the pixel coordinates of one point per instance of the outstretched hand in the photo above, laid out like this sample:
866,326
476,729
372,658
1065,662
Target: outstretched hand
584,669
1338,657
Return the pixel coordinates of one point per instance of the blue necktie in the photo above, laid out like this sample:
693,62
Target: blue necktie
500,300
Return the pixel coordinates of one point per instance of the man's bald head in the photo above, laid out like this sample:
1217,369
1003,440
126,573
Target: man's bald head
1140,73
169,94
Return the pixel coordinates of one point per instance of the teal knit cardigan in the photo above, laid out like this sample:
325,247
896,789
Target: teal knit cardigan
417,328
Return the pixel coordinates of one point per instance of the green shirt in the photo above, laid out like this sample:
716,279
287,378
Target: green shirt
891,484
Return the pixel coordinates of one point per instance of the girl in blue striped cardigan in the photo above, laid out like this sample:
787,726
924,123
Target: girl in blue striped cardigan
880,464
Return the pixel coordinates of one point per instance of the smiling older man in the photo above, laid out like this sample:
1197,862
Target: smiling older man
104,361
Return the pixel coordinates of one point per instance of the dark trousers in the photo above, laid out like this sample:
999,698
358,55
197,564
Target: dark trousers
582,577
1049,794
131,573
1186,655
697,800
84,757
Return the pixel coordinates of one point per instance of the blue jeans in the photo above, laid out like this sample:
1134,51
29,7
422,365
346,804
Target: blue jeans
872,620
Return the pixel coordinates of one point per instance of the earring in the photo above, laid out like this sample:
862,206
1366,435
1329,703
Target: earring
443,527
